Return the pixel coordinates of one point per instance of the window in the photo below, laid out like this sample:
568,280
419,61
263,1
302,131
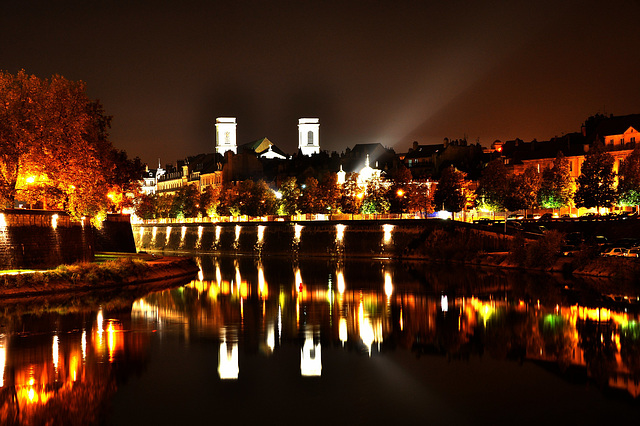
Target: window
310,137
632,140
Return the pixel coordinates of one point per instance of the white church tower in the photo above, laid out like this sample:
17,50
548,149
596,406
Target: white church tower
309,136
226,135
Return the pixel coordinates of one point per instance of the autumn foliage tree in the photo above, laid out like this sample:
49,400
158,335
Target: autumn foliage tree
451,192
556,185
596,183
493,186
523,190
54,146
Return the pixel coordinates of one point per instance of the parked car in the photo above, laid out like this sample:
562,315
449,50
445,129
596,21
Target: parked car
546,217
615,252
515,216
633,252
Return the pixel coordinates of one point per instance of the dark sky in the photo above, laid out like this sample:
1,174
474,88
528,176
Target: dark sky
372,71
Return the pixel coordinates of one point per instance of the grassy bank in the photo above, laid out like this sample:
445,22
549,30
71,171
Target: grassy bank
107,273
543,254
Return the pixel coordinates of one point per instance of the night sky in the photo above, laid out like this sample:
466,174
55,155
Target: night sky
373,71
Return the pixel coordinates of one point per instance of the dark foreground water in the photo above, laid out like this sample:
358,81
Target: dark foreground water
320,342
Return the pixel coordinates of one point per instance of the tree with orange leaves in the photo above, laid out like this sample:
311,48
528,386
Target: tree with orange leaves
54,146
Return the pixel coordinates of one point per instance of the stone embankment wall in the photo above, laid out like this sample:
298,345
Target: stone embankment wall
32,239
115,235
363,238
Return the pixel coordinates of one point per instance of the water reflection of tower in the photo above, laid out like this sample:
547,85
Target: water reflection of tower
295,243
339,241
342,306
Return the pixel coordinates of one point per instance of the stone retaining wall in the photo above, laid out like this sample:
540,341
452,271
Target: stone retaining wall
394,238
31,239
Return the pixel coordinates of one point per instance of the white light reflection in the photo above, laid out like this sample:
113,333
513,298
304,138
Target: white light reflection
199,242
271,336
444,303
141,231
387,233
218,275
183,233
310,356
261,233
238,277
279,322
154,231
238,228
341,284
54,351
388,284
342,330
168,235
298,280
3,358
54,221
298,232
340,232
262,284
218,231
3,221
83,344
228,361
366,329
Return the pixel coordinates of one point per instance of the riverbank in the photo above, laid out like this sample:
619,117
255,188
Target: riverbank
115,271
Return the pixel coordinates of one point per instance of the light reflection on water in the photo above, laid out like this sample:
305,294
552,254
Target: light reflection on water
267,322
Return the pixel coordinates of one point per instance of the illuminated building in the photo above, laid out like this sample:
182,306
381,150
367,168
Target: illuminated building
226,135
309,136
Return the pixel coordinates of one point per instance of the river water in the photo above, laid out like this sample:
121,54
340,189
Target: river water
276,341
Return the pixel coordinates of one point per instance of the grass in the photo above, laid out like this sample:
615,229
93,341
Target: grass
116,270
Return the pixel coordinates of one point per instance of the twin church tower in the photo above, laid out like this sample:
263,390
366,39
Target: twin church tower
308,135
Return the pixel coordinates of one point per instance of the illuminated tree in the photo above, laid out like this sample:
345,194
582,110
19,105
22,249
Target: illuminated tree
493,186
163,205
629,179
375,198
210,200
146,206
596,183
523,190
185,202
228,205
54,144
400,191
450,194
263,200
123,176
310,201
419,198
330,193
352,195
556,185
290,195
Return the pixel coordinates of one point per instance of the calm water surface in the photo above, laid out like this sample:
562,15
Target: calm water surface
273,341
